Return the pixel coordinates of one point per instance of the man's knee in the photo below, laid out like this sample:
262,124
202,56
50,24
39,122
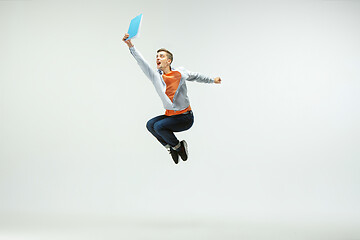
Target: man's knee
150,125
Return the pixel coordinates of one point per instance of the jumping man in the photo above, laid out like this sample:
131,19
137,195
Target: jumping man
171,87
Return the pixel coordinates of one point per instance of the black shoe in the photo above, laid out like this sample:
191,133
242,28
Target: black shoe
174,155
183,150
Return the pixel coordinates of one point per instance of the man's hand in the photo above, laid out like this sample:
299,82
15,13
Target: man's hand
128,42
217,80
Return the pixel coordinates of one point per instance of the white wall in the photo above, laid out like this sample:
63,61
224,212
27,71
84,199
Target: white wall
279,138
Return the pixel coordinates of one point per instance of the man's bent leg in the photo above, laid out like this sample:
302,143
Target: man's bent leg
166,127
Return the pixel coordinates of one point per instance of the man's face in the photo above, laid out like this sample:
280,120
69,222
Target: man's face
162,60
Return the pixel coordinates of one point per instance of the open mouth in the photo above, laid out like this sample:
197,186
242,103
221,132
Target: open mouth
158,63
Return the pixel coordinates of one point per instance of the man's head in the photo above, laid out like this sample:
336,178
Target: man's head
164,58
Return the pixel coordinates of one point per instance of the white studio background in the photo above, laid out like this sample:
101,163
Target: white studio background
279,139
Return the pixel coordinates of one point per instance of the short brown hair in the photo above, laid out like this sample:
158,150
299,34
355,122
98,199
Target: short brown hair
168,53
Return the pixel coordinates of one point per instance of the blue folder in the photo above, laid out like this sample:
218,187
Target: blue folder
134,27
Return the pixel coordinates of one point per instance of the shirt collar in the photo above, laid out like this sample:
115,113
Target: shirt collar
161,72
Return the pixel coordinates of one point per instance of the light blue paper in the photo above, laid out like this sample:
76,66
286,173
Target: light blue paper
134,27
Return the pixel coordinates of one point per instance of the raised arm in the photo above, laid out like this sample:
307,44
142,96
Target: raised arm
144,65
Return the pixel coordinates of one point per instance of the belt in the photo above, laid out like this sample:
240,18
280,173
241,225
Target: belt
174,112
188,112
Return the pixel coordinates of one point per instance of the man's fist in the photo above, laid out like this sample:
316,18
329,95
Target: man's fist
217,80
128,42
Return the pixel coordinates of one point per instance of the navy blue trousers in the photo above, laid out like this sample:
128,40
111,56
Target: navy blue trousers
163,127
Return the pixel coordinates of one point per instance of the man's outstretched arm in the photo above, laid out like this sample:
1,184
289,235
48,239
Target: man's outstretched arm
198,77
144,65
